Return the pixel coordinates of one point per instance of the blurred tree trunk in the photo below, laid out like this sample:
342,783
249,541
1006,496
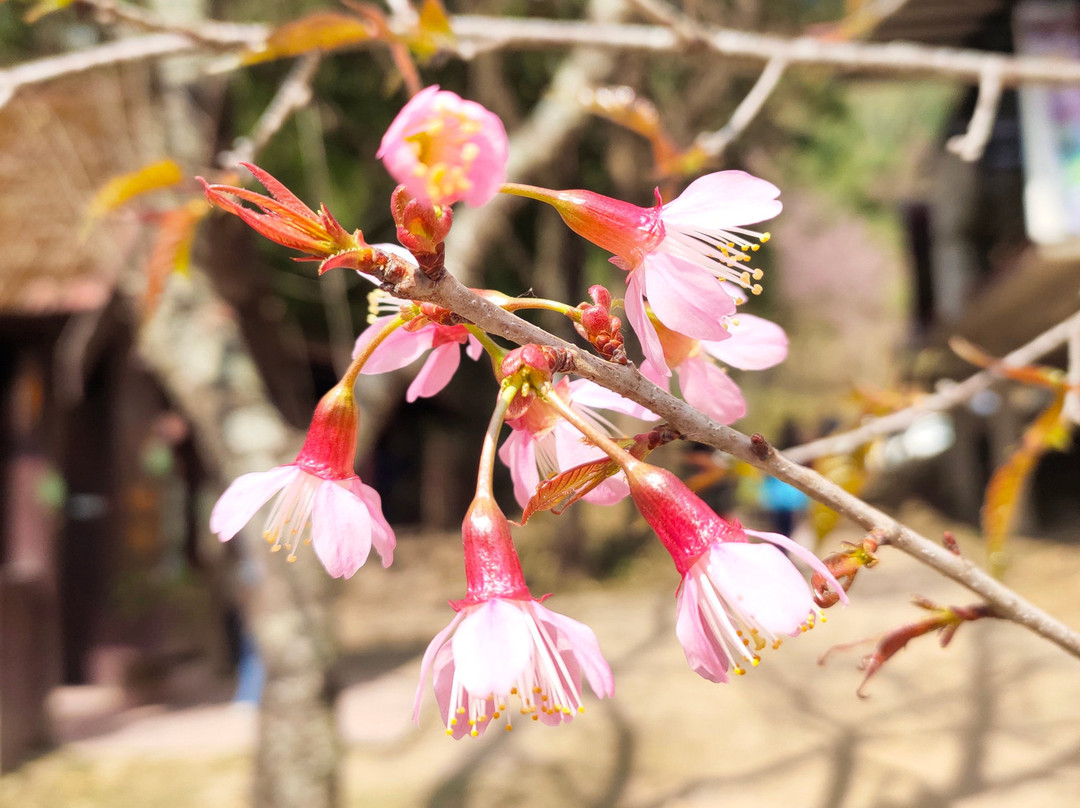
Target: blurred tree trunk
194,345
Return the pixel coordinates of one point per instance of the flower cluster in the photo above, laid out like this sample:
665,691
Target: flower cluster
686,268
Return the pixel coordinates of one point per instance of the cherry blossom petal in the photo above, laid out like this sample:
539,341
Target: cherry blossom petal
491,647
634,304
518,453
474,348
242,500
429,657
707,388
755,344
340,529
581,640
400,348
591,394
436,372
763,584
686,298
382,535
804,555
704,653
723,199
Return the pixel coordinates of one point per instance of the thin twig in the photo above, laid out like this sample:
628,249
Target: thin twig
447,291
945,399
714,144
971,145
293,94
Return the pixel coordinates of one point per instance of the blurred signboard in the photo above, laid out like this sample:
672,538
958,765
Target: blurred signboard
1050,124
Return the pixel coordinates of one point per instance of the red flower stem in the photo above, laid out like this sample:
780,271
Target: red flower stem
486,472
358,363
617,453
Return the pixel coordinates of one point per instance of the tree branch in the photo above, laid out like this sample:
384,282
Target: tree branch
447,291
479,33
946,399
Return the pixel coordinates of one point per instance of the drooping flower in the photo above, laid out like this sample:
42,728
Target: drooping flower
754,343
503,644
411,341
677,253
283,218
444,149
320,500
736,597
541,443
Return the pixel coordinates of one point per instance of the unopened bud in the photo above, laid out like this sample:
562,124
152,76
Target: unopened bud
421,226
600,328
844,566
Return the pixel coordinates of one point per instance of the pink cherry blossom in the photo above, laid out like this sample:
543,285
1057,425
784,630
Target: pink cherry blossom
319,499
405,345
541,443
676,253
753,344
503,643
502,647
445,149
736,597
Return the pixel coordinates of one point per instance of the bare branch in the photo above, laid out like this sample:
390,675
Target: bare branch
293,94
480,33
971,145
714,144
447,291
945,399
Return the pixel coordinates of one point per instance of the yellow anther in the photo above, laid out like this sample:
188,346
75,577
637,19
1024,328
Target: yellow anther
776,644
824,619
276,548
745,247
581,709
472,722
758,274
461,711
744,278
746,642
765,237
740,672
535,717
756,290
291,558
513,691
474,733
509,727
453,722
755,661
496,714
537,689
755,247
449,732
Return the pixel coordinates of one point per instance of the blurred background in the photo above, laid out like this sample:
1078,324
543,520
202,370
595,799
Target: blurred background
150,352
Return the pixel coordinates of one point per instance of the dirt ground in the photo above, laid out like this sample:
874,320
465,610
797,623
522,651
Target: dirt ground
993,721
